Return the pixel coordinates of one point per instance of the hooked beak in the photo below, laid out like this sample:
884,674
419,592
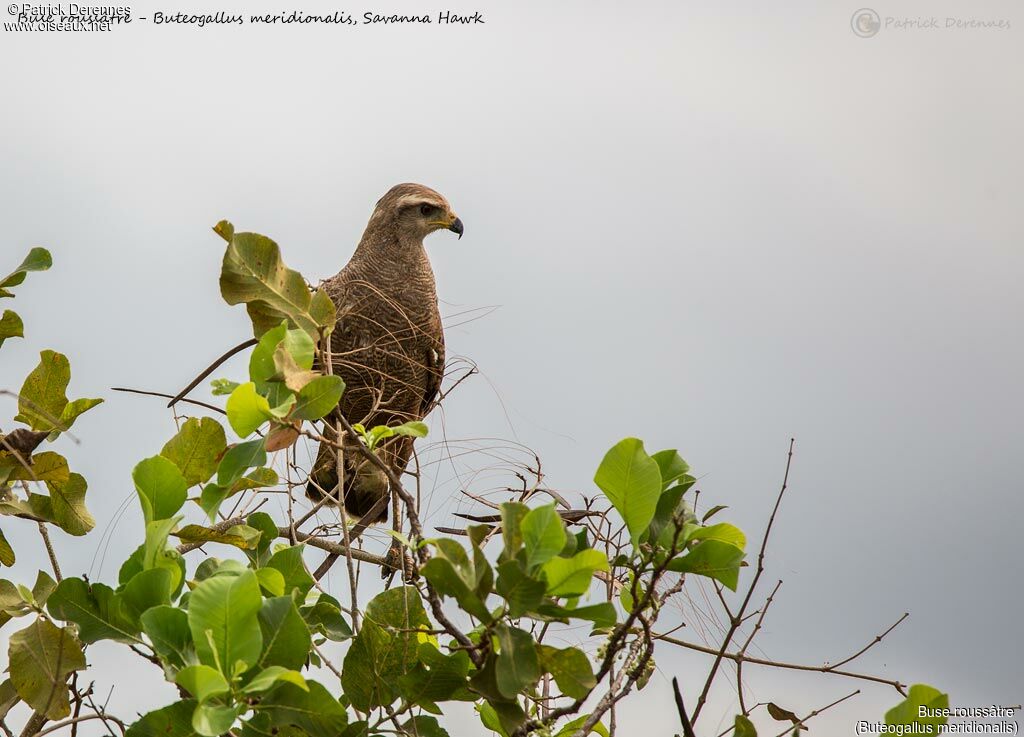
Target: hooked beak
456,227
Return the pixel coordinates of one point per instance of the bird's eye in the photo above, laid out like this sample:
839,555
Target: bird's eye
426,210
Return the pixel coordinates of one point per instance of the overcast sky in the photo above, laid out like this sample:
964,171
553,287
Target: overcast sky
714,227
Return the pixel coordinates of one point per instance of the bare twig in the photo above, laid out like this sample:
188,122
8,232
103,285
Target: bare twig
210,369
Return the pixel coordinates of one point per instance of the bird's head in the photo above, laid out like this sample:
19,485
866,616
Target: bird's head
416,211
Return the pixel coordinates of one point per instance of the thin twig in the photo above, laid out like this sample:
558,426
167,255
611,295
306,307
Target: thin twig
210,369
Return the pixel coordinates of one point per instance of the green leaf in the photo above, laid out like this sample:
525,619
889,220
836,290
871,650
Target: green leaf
238,459
38,259
196,449
523,593
8,698
71,412
449,579
202,681
517,665
286,638
43,466
99,613
270,677
41,657
161,487
222,387
908,711
167,628
364,671
315,711
147,589
11,326
512,514
222,617
572,576
602,615
631,480
743,727
438,678
318,397
571,669
42,396
211,720
714,559
324,616
254,273
289,562
576,724
271,581
424,726
413,429
671,465
67,505
723,532
171,721
239,536
247,410
297,343
543,535
7,557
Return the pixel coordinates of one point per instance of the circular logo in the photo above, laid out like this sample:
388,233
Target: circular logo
865,22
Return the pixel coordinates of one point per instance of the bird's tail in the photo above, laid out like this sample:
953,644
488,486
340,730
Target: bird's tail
365,484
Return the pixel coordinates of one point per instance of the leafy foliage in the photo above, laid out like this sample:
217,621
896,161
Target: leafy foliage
240,637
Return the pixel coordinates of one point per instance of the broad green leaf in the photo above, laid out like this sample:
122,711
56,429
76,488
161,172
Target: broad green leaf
517,665
99,613
202,681
43,466
240,536
167,628
602,615
292,375
439,677
157,533
297,343
743,727
424,726
170,721
572,576
222,617
270,677
247,410
38,259
41,657
286,639
512,514
147,589
7,557
67,505
254,273
324,616
211,720
271,581
523,593
364,676
8,698
238,459
43,395
543,535
671,465
318,397
413,429
631,480
571,669
161,487
723,532
196,449
11,326
71,412
571,728
289,562
714,559
444,576
908,711
315,712
222,387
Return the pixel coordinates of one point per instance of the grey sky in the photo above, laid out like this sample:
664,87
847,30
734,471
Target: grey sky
711,227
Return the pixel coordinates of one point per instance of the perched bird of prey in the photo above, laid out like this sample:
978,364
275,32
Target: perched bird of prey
388,344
